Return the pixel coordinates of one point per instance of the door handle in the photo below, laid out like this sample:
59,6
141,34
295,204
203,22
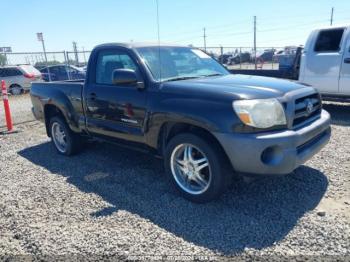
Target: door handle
92,96
347,60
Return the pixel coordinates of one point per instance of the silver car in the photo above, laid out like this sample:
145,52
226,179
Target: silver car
19,78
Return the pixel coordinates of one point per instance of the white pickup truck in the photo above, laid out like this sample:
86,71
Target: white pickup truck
325,61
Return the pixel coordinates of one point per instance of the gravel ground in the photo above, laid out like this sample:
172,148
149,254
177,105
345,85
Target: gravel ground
109,202
20,109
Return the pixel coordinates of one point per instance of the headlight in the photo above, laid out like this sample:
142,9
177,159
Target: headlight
260,113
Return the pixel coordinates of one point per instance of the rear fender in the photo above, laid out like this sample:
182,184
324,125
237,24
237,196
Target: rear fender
65,107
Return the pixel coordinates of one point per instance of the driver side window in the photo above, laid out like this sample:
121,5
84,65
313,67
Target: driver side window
108,61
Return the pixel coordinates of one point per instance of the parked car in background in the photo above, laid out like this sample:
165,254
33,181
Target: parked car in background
19,78
288,51
325,61
244,57
62,72
267,55
224,58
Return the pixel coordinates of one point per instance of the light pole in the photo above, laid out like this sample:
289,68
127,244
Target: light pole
41,39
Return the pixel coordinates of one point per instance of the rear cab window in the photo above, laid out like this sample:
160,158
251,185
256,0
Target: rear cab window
329,40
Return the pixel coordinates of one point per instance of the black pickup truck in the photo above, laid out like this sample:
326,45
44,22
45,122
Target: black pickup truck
178,103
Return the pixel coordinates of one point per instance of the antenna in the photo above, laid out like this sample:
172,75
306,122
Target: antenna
205,40
158,32
332,12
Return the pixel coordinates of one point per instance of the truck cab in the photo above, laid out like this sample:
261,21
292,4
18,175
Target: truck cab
325,61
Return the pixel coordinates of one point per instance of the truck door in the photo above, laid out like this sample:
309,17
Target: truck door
115,111
323,59
344,80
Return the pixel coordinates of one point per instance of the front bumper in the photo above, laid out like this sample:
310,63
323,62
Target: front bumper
276,152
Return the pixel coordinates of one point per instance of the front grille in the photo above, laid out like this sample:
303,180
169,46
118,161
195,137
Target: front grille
307,108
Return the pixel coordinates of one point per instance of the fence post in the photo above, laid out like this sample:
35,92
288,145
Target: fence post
6,106
240,58
66,60
221,55
5,58
273,54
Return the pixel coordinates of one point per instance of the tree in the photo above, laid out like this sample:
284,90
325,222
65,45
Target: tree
3,60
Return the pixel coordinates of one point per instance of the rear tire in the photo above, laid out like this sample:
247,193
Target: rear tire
63,139
196,168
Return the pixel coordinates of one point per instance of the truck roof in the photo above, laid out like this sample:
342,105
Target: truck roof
137,45
332,27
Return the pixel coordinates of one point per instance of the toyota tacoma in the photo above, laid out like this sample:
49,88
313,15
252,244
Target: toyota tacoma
181,105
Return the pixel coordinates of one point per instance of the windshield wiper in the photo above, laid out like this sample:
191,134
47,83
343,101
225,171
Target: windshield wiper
216,74
180,78
190,77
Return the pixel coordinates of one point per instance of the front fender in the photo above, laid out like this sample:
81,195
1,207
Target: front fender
212,116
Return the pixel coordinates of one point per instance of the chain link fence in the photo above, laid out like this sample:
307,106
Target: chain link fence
36,59
79,58
234,58
248,58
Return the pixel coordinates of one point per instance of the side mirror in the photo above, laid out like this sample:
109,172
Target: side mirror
124,77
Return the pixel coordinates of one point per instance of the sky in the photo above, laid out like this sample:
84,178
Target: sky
227,22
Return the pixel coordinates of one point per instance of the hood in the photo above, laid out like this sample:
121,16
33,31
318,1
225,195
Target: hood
235,86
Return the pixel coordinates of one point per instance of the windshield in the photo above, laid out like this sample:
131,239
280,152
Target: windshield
177,63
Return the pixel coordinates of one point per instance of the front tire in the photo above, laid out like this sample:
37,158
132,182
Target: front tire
195,168
64,140
16,90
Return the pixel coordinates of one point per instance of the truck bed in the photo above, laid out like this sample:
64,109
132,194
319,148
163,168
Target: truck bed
48,90
67,93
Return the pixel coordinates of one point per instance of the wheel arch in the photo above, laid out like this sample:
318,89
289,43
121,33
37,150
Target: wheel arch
14,84
170,129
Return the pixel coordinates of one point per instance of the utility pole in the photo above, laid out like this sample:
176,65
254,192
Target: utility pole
332,15
75,49
205,40
255,43
40,37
